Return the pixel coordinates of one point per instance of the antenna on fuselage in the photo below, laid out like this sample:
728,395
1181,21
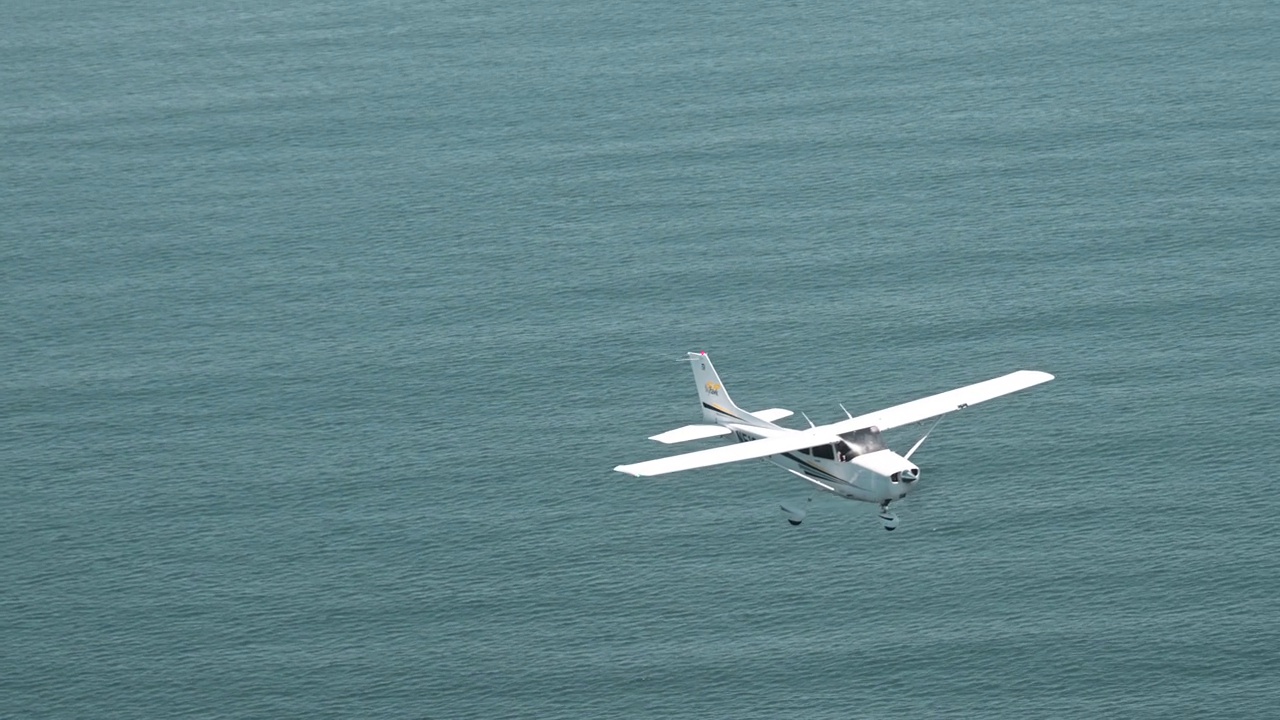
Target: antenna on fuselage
846,411
806,417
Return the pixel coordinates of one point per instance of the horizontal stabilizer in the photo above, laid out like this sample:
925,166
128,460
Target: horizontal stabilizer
772,414
690,432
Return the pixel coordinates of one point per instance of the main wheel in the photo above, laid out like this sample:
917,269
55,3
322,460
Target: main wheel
795,513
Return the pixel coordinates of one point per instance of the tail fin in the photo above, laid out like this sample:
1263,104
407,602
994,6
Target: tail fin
716,405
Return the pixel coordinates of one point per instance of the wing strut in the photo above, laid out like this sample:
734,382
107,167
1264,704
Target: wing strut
920,442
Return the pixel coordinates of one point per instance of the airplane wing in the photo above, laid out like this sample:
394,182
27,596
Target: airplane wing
750,450
942,403
790,440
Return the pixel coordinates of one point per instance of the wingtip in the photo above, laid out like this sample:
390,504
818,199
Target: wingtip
626,470
1038,375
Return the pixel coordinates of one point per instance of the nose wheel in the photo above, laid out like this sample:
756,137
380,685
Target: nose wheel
889,519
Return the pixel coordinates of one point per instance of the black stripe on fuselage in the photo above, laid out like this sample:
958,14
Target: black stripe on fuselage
817,471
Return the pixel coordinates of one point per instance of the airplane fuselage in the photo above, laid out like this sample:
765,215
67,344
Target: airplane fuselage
832,475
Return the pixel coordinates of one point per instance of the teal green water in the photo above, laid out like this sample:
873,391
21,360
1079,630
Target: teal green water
324,325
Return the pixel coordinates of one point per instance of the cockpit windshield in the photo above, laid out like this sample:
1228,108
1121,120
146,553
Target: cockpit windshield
864,441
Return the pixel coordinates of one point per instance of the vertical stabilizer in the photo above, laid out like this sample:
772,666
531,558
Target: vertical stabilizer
716,405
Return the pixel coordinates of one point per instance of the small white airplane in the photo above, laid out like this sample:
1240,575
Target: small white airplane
846,458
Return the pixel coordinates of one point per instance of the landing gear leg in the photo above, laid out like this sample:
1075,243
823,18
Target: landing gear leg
889,519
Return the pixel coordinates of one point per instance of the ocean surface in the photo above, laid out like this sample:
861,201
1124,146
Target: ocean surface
325,323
